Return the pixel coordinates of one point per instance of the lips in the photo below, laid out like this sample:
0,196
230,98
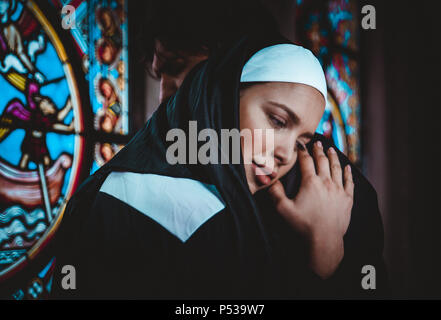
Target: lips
264,174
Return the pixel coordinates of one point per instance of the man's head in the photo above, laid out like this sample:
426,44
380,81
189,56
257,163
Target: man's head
171,67
107,122
179,34
46,105
106,51
106,151
105,87
106,20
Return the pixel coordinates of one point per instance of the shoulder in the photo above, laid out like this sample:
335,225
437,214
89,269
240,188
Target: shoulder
180,205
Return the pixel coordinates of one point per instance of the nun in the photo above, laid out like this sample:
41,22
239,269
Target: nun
142,227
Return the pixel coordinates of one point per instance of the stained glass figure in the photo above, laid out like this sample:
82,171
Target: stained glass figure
330,30
41,141
45,121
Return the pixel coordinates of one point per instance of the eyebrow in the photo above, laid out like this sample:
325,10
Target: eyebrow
294,117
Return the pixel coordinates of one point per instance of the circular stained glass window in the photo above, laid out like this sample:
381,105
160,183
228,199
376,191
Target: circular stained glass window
41,133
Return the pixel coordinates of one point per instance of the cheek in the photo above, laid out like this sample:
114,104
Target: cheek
283,170
253,125
258,143
254,140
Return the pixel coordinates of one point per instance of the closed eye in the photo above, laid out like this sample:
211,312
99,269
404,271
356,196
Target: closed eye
300,146
277,121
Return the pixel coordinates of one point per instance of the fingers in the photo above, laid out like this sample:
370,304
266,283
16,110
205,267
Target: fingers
326,166
349,183
334,162
321,160
306,163
277,194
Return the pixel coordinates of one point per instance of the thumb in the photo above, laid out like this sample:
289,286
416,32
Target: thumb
278,196
286,207
277,192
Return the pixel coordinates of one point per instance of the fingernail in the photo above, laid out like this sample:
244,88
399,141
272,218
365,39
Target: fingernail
319,144
331,150
348,167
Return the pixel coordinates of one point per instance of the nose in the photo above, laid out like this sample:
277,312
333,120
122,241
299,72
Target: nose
168,87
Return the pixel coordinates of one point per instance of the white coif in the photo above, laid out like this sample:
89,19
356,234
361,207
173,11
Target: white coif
285,63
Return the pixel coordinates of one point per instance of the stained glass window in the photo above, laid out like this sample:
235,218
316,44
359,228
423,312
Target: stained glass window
63,113
330,30
101,37
108,56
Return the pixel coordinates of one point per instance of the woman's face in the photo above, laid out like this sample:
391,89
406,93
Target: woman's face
292,111
106,89
107,53
106,20
107,124
106,152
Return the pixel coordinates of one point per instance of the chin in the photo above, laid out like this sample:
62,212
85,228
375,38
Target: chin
255,187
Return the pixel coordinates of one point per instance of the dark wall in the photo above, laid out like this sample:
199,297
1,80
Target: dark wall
412,70
406,37
400,92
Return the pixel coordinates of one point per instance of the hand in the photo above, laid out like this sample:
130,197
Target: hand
321,210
